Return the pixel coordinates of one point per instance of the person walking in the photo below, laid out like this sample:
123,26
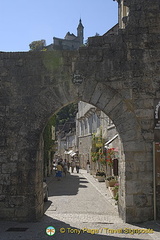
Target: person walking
65,167
59,171
77,167
72,166
68,165
88,166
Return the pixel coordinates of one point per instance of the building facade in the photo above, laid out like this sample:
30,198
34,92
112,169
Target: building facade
66,140
95,133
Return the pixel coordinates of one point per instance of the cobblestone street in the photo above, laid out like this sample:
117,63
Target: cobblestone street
79,207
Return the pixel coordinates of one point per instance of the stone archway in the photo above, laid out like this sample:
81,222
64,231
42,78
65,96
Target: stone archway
135,201
37,104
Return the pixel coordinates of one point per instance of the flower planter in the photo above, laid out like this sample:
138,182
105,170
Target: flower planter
100,178
112,183
114,192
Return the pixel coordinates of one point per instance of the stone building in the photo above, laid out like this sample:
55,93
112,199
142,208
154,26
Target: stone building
87,123
66,141
70,41
93,123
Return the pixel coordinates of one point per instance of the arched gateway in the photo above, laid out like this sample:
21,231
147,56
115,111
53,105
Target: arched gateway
118,74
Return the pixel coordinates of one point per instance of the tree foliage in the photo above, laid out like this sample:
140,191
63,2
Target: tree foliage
66,114
37,45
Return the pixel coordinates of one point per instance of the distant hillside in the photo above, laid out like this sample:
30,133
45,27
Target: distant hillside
66,114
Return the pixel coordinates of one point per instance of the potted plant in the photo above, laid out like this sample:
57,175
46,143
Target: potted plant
98,155
107,180
100,175
111,181
115,190
94,156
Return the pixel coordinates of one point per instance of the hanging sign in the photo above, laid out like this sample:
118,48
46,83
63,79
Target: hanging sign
77,79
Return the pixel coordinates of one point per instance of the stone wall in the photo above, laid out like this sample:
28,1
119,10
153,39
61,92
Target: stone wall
120,77
29,91
85,143
128,64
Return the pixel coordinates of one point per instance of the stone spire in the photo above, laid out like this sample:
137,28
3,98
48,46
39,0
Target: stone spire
80,32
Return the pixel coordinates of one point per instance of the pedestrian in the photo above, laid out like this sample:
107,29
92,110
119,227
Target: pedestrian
88,166
68,165
77,167
72,166
65,167
54,164
59,171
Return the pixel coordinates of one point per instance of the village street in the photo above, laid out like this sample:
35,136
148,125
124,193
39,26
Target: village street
79,207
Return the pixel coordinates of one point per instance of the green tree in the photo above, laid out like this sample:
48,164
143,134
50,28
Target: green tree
66,114
37,45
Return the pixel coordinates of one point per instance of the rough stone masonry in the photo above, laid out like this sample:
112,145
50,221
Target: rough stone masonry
121,76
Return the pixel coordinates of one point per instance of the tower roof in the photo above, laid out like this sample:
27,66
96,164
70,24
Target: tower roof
80,24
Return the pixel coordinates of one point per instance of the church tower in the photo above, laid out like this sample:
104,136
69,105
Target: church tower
80,32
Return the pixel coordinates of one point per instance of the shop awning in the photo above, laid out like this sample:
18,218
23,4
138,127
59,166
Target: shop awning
111,140
66,152
71,152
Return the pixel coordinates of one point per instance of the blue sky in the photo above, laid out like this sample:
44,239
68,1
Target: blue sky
24,21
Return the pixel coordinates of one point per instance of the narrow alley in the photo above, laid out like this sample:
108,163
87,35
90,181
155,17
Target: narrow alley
79,207
80,198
